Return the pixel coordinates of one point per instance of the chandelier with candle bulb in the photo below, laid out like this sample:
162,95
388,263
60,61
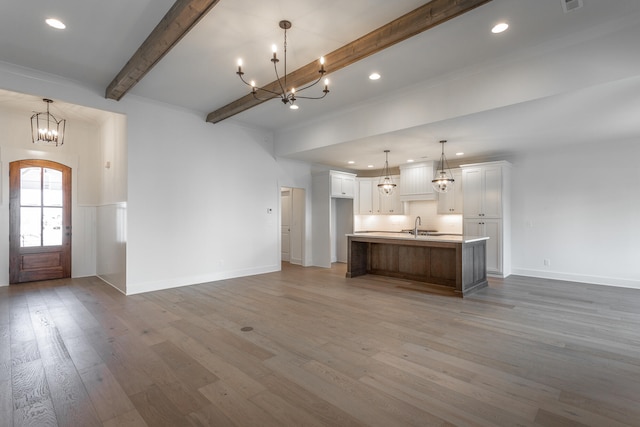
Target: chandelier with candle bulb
288,95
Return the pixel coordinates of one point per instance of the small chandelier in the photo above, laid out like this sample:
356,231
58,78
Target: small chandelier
45,128
443,178
386,185
286,95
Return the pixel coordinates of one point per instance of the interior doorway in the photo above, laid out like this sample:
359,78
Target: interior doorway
39,221
292,230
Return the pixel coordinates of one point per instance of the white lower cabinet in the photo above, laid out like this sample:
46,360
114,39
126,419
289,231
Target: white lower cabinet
491,228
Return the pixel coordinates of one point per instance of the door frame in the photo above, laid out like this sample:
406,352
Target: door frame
15,250
298,201
286,200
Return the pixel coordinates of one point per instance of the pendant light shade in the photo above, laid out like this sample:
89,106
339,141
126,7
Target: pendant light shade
386,185
443,178
46,128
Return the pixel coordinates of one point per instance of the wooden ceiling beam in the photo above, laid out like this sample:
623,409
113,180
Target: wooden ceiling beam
415,22
175,24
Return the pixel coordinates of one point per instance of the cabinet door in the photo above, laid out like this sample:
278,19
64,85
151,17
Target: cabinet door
375,197
491,228
473,227
395,205
342,185
492,192
472,190
348,187
365,191
389,204
451,201
482,190
336,186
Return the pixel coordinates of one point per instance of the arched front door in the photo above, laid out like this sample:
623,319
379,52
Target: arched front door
40,221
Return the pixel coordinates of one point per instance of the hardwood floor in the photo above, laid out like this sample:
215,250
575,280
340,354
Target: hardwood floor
323,351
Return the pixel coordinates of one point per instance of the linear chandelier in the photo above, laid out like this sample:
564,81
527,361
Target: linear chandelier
287,95
443,178
46,128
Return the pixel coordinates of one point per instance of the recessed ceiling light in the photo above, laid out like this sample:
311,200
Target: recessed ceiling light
293,106
459,154
374,76
500,28
369,166
409,160
52,22
351,162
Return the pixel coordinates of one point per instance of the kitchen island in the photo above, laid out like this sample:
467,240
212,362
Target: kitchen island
454,261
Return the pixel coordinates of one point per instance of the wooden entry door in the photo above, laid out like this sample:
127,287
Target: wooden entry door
39,221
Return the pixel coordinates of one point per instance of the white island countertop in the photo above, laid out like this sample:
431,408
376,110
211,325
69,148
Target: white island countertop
445,238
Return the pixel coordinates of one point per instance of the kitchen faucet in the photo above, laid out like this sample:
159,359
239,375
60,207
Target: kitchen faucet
415,226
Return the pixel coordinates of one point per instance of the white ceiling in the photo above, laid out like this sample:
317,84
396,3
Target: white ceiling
199,73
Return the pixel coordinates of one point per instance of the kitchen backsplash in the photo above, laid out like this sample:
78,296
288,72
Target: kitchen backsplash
428,212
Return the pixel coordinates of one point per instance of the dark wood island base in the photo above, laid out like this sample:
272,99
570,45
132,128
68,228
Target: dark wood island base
453,261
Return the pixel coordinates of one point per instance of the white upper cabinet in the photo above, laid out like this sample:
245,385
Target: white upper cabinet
483,191
365,202
451,201
371,202
391,204
415,182
342,184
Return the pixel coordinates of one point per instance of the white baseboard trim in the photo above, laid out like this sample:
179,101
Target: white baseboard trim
110,284
158,285
570,277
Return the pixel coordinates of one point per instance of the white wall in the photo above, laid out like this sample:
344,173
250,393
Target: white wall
111,215
198,197
579,208
321,218
111,244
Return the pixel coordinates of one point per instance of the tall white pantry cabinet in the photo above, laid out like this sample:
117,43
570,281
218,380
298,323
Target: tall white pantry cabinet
486,211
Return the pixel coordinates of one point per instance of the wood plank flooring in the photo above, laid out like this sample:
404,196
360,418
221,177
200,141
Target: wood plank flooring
323,351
